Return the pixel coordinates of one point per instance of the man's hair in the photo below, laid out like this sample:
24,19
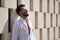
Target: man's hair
19,8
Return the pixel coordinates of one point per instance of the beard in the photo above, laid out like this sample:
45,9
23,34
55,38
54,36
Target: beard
25,14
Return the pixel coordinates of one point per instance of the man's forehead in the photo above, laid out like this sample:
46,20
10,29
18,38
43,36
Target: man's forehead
24,7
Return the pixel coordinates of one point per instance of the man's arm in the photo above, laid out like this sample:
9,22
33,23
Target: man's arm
15,32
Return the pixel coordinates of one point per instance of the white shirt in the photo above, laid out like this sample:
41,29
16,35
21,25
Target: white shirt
20,30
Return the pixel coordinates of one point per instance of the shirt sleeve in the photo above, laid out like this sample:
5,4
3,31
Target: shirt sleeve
15,32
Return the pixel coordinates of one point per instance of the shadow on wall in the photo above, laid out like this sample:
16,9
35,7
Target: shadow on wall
7,29
14,17
8,26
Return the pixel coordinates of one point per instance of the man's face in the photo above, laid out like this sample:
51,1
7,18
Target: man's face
24,12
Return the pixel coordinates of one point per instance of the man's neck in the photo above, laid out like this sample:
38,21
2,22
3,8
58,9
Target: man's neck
24,18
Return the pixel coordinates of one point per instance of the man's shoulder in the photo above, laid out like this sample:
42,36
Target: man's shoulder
18,22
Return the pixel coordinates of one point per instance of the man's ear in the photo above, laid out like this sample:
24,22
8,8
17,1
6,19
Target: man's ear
19,13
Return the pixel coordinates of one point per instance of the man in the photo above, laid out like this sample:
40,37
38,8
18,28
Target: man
22,29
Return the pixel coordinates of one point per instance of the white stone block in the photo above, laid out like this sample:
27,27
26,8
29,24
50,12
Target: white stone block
36,33
26,3
36,5
40,20
51,34
32,18
13,17
58,39
9,3
53,20
44,34
56,7
44,5
48,20
56,32
51,6
3,20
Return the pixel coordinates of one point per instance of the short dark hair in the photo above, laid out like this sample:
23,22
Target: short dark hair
19,8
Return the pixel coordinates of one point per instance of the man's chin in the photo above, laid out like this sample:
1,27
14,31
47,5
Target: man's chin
26,15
